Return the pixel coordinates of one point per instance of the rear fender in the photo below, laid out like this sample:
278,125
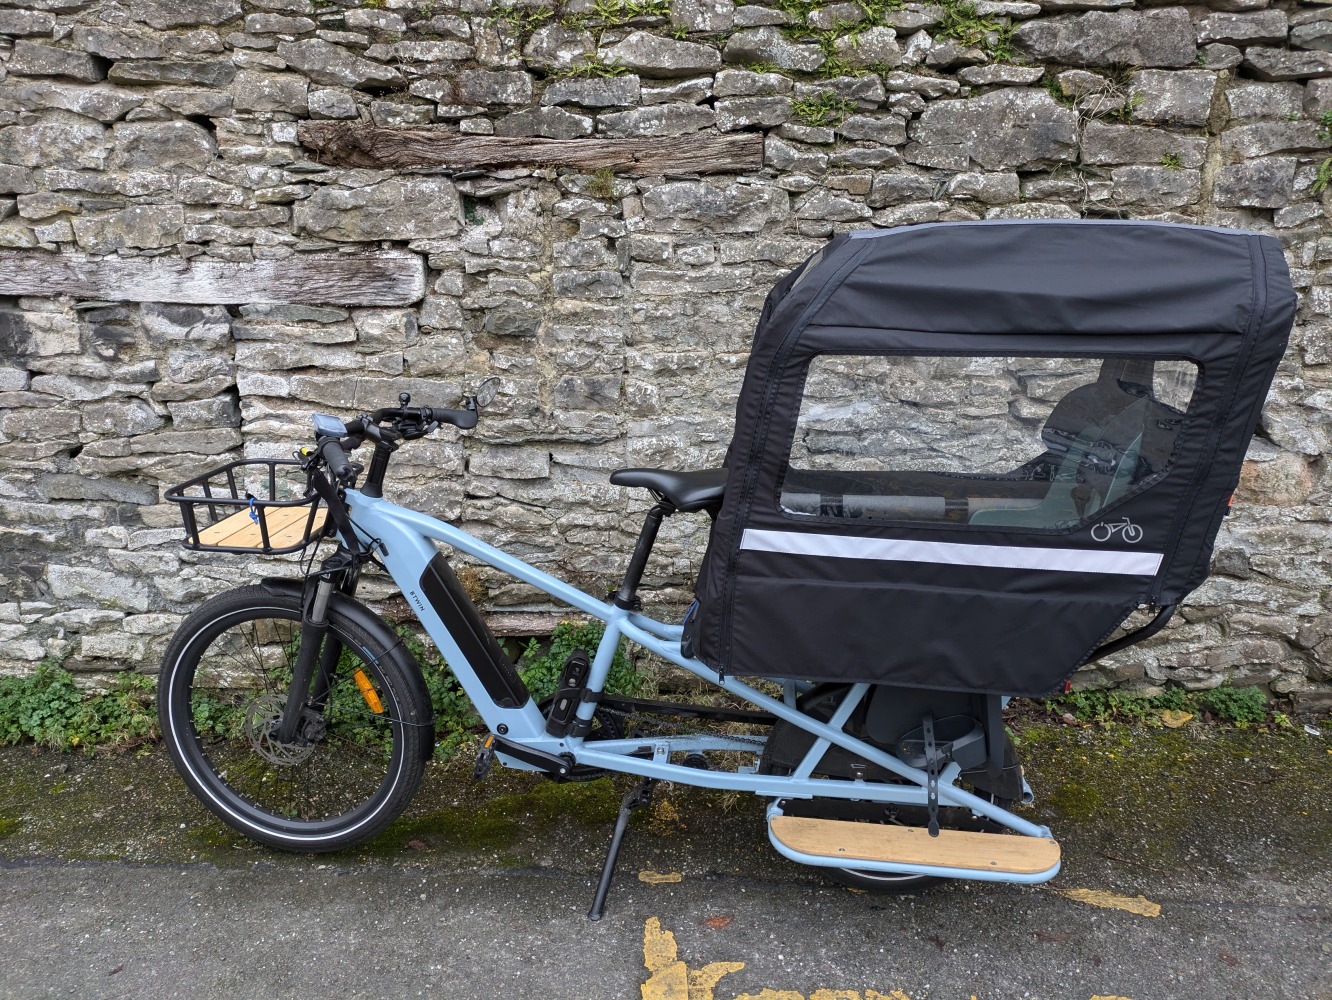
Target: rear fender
379,629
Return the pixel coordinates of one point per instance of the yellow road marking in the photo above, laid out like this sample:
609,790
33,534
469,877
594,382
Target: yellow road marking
659,878
1140,905
671,979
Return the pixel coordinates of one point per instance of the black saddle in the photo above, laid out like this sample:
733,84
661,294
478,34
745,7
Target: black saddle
685,491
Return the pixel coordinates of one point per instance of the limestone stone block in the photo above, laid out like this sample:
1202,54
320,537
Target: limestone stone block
375,20
509,462
1155,187
659,120
1262,100
653,56
757,16
1265,138
815,135
400,208
1172,97
1152,38
890,130
331,104
547,122
21,23
824,204
1000,74
163,14
989,189
494,87
199,414
16,180
141,226
108,589
125,417
205,101
1006,129
1104,145
1312,35
735,113
255,91
58,139
1284,64
394,113
205,72
867,91
733,208
333,65
798,159
162,145
609,92
1259,183
279,24
874,47
769,45
433,52
1218,56
1265,28
747,83
35,59
554,47
104,102
691,90
928,87
703,15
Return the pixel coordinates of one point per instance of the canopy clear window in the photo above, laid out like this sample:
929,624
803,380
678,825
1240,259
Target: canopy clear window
1021,442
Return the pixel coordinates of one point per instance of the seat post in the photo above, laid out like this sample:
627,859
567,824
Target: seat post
627,596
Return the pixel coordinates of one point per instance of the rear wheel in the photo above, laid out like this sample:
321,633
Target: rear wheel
786,748
357,754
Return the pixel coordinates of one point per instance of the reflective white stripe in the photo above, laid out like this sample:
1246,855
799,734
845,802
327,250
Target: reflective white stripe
800,543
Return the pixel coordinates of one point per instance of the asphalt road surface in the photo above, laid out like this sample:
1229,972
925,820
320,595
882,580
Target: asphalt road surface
114,883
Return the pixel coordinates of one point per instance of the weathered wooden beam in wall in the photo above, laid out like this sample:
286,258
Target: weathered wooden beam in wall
391,278
352,145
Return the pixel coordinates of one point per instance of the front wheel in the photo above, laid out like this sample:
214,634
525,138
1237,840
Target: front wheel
359,748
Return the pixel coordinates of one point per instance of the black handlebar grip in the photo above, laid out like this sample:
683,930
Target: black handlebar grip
338,462
462,419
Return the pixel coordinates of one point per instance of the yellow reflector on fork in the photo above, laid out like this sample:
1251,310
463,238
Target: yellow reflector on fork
368,692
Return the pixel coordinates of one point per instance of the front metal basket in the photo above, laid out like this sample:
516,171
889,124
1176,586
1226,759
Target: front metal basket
254,505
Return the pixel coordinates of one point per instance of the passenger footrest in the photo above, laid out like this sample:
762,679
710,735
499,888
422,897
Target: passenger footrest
1005,853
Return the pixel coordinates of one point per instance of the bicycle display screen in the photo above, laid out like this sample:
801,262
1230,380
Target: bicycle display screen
1044,443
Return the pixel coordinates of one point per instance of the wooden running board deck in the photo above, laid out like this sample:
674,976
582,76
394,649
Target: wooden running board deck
912,845
286,526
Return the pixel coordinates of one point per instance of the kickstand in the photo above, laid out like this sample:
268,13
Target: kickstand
637,797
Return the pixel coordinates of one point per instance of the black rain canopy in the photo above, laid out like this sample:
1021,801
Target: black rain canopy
964,453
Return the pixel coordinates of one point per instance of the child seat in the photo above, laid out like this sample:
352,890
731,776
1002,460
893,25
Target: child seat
964,453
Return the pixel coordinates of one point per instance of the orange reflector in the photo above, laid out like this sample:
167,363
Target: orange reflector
368,692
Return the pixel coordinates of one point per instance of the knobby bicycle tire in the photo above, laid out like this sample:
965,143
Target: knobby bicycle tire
356,760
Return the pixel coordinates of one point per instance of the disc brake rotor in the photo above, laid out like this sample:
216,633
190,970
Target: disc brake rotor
261,722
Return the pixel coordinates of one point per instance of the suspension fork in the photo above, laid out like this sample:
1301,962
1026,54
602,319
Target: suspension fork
317,659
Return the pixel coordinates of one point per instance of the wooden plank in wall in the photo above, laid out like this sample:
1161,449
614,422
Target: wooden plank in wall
390,278
353,145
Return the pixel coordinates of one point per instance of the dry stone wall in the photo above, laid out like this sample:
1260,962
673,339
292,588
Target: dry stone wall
185,280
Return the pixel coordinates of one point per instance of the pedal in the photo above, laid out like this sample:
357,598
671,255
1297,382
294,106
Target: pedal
573,682
483,759
872,844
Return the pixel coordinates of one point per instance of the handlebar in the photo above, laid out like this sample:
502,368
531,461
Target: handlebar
334,438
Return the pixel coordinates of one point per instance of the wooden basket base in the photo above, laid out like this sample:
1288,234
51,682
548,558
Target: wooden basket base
286,527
